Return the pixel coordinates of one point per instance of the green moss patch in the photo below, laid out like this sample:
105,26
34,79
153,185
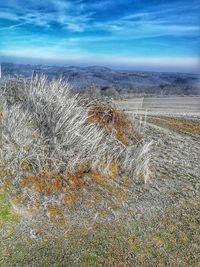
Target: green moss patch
6,213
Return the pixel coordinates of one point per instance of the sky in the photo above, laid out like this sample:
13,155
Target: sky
124,34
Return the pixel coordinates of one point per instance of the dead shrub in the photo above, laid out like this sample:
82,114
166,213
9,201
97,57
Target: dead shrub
115,122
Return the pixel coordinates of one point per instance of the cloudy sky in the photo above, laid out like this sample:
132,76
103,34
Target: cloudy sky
127,34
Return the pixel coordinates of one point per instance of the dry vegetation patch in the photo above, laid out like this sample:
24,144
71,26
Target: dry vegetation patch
115,122
178,124
60,151
64,191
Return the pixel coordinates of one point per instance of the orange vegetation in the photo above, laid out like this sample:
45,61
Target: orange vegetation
115,122
70,187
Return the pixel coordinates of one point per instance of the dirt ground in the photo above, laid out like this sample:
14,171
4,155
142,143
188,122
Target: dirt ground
163,227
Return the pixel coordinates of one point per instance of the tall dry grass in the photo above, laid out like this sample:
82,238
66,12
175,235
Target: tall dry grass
54,142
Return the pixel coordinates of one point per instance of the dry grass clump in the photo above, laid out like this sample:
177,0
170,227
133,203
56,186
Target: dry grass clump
115,122
14,91
56,150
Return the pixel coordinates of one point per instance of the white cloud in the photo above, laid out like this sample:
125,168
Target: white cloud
66,13
75,27
74,16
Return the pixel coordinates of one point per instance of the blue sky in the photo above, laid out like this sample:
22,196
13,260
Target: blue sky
127,34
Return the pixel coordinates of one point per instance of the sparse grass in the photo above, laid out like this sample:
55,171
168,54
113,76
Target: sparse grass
168,239
178,124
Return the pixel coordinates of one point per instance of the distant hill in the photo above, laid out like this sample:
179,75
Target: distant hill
105,79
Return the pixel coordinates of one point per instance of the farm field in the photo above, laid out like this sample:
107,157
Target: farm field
166,105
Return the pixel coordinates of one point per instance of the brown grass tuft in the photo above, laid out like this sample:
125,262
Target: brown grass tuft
114,122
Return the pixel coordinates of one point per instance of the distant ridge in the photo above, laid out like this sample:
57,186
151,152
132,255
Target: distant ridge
122,81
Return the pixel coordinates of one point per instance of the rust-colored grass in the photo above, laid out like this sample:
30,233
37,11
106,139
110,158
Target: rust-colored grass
177,124
70,186
114,122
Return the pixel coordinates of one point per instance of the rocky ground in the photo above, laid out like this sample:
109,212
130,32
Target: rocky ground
161,227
